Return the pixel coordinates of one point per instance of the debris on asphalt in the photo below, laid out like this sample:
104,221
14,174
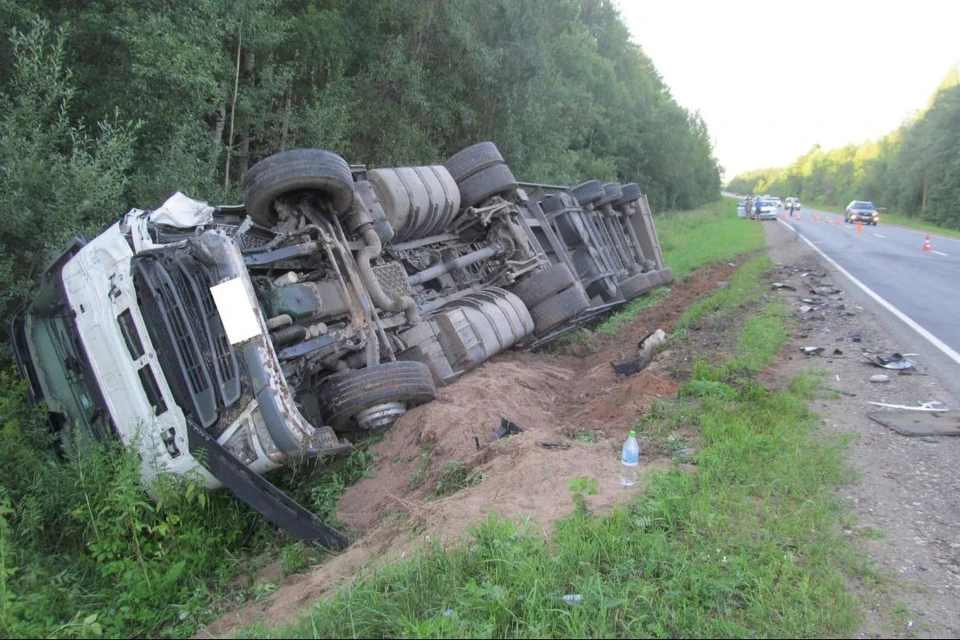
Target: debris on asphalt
880,377
911,424
805,308
924,406
781,285
895,361
811,350
851,337
825,290
505,429
815,301
553,445
837,352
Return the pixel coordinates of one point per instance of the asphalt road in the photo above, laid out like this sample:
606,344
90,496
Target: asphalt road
923,285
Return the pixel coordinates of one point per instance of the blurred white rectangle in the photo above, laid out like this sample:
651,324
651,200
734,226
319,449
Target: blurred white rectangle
236,310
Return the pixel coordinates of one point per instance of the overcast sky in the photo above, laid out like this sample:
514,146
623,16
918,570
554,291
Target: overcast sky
771,79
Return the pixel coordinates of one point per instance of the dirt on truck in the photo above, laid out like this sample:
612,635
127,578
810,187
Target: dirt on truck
234,340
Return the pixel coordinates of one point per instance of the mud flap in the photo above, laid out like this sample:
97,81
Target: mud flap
252,488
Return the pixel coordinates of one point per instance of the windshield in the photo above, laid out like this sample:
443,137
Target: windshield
62,365
863,205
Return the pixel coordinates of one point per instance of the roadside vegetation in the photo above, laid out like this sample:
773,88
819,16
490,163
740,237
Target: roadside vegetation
743,538
911,171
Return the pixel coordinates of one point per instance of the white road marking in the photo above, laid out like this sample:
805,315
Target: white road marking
939,253
880,236
910,322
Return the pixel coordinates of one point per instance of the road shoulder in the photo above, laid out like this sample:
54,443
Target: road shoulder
907,497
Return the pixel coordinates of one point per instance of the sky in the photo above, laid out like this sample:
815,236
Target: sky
771,79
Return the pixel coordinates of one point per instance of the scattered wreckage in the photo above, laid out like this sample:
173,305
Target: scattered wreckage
232,340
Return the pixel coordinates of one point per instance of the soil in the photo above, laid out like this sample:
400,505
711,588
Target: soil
906,499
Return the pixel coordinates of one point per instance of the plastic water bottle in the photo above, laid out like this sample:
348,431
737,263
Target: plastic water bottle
629,459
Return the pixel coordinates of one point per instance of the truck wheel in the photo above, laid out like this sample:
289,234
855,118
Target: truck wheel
654,278
666,276
588,192
635,285
486,183
631,192
374,396
467,162
297,170
611,193
559,308
536,288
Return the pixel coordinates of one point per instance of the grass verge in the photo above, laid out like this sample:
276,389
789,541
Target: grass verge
692,239
746,543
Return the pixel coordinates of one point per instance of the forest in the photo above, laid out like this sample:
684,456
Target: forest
914,170
107,105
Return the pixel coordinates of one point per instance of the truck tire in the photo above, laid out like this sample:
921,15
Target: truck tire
474,158
559,308
666,276
631,191
539,286
611,192
635,285
588,192
486,183
345,394
654,278
297,170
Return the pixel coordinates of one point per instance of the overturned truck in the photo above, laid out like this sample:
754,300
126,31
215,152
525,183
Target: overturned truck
229,341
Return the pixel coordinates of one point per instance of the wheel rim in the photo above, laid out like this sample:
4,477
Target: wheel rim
381,415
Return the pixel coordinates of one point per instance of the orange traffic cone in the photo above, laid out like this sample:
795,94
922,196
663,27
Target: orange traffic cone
926,244
859,226
836,221
816,218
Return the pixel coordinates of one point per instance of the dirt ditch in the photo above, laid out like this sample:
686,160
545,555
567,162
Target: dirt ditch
437,471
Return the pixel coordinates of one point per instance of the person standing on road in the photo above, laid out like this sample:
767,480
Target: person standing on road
748,206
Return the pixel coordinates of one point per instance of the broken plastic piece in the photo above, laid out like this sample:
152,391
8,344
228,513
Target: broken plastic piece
824,290
894,361
658,337
505,429
851,337
880,377
634,365
924,406
811,350
781,285
837,352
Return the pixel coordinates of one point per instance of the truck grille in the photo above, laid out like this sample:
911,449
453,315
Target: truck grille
192,346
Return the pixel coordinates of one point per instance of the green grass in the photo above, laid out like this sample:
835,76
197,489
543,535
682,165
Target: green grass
692,239
751,544
744,290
